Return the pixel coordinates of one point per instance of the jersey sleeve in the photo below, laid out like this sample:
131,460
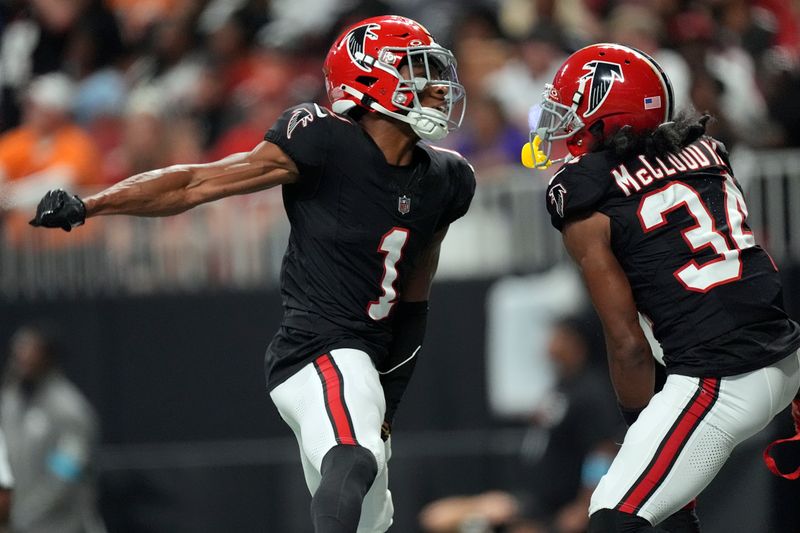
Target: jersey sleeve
304,135
464,190
575,190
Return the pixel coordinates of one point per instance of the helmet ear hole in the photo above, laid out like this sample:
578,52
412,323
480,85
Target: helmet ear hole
366,80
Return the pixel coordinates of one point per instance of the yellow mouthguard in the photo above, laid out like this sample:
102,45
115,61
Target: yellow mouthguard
532,157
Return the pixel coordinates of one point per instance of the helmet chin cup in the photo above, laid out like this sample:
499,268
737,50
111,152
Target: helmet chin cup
340,107
428,123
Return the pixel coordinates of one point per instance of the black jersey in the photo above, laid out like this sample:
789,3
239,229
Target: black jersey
357,226
679,231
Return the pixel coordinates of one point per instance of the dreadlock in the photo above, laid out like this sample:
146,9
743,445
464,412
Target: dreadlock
668,138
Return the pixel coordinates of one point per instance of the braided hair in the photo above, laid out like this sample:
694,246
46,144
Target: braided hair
668,138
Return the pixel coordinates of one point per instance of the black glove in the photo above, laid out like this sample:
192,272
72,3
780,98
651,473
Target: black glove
59,209
408,331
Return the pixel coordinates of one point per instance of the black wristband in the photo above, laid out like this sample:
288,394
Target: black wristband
630,415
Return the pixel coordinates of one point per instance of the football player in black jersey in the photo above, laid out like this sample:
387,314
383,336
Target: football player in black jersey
368,208
652,215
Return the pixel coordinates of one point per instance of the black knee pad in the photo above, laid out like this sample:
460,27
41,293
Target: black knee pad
352,462
612,521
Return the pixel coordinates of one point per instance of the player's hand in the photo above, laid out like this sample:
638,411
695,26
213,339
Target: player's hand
59,209
386,431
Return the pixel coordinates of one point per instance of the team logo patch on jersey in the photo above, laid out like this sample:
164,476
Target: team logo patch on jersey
301,117
357,43
404,204
557,194
603,75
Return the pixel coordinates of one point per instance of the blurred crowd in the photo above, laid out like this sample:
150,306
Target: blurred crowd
96,90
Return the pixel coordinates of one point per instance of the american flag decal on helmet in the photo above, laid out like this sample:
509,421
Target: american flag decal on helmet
652,102
603,75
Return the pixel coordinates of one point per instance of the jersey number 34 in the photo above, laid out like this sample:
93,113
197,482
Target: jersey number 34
727,267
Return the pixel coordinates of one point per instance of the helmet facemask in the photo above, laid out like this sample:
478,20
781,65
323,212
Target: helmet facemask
552,121
426,66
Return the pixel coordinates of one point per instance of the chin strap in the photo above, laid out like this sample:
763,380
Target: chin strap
430,124
770,461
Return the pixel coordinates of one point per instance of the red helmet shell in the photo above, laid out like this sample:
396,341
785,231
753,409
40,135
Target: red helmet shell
351,60
621,86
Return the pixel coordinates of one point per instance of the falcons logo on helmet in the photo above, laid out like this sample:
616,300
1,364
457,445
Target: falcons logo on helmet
300,117
603,76
357,42
557,194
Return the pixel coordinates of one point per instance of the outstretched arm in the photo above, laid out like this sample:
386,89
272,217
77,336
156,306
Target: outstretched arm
630,360
174,189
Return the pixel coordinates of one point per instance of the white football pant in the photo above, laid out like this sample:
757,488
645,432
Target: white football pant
338,399
684,436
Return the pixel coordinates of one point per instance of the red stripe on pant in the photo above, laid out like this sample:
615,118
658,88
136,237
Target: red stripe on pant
333,391
671,446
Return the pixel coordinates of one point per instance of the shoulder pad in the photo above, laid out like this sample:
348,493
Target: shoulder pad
461,179
453,164
450,156
305,115
722,151
576,189
453,161
303,132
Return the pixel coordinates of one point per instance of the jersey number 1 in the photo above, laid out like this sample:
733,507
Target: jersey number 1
728,266
392,245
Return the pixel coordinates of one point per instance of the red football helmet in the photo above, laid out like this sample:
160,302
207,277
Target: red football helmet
615,84
363,68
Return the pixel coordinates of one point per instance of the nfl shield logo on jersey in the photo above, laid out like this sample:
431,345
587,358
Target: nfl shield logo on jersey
404,204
